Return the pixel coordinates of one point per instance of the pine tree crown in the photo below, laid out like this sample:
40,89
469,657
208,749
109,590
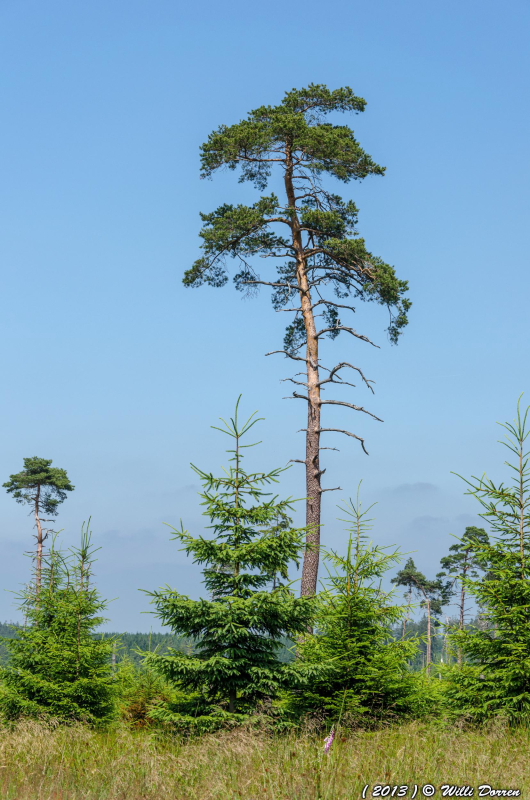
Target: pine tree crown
39,478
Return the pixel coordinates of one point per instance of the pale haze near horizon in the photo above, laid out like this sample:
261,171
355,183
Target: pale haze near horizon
116,371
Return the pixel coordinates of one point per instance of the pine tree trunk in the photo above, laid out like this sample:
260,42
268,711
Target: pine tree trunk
429,638
313,484
462,617
406,619
232,701
463,602
312,459
40,540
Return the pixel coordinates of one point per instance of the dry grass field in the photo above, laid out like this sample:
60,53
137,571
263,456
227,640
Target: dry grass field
37,763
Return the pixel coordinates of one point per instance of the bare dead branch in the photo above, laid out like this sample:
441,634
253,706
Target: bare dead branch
300,383
332,303
285,254
333,377
341,383
303,196
340,366
279,285
348,330
346,433
289,355
335,489
349,405
268,220
296,396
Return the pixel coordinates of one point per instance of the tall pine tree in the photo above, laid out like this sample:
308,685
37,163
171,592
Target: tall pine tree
463,562
433,595
310,233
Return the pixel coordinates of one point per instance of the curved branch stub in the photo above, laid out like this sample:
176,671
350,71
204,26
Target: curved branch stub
296,396
346,433
333,373
288,355
348,330
349,405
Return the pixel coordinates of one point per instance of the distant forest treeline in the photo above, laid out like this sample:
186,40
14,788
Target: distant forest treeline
128,645
132,645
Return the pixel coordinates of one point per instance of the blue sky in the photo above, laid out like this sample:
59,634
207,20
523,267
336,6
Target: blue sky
115,371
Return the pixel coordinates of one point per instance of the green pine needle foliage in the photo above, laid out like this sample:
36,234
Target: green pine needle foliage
494,680
367,679
39,478
140,690
239,631
271,140
58,667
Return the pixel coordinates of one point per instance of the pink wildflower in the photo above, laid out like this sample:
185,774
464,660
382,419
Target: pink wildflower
328,741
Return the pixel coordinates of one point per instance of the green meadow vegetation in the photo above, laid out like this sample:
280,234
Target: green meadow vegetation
78,763
360,676
257,692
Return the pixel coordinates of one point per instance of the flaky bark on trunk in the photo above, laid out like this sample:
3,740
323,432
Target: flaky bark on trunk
312,459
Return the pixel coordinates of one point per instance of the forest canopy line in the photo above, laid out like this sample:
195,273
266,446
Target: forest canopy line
311,234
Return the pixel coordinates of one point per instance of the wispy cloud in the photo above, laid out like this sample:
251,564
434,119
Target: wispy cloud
414,489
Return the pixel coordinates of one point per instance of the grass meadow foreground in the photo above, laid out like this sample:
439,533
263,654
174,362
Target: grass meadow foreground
76,763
